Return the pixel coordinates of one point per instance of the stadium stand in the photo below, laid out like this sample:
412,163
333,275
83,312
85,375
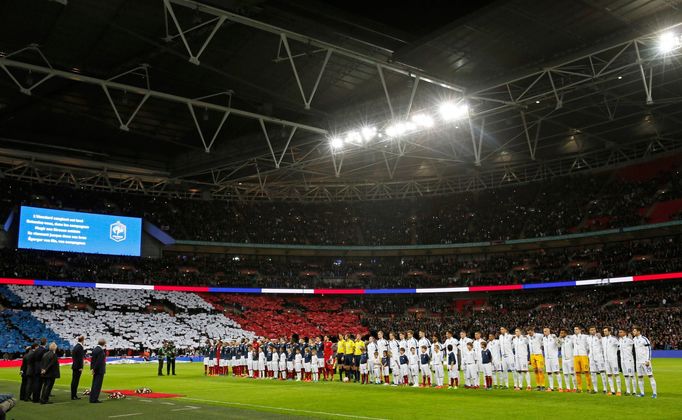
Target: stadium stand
280,317
128,319
663,254
564,205
247,316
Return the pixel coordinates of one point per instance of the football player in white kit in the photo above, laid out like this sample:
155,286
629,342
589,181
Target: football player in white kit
382,344
507,351
423,341
463,341
610,345
402,342
627,361
371,349
394,350
411,342
520,346
596,356
260,372
478,340
550,343
643,357
566,343
449,340
496,351
274,362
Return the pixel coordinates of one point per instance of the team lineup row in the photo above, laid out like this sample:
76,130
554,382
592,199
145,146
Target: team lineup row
406,360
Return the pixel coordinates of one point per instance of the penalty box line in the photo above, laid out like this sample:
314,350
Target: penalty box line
293,410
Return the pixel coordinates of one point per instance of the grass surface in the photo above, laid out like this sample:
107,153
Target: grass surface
222,397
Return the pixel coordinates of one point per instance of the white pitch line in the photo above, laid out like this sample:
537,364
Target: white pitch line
294,410
125,415
189,407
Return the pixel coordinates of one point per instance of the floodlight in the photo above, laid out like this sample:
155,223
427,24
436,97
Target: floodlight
451,111
353,137
668,42
368,133
397,129
423,120
336,143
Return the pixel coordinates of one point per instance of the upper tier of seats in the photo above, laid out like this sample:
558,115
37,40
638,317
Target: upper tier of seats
562,205
658,255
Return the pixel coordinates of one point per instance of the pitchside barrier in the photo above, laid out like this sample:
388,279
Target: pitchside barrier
113,360
432,290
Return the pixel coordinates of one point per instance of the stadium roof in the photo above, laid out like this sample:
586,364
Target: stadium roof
266,99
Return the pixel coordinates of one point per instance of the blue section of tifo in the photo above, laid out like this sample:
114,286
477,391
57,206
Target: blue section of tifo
11,339
34,329
9,296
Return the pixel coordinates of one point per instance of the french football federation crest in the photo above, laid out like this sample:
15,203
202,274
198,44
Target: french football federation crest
117,232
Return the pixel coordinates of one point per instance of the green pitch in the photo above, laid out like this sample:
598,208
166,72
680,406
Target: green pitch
222,397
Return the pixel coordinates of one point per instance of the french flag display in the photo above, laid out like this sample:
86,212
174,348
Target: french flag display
433,290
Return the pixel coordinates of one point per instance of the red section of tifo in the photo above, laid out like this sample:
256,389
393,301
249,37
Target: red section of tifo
132,393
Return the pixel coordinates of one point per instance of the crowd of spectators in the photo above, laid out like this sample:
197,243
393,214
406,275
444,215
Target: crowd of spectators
128,319
656,308
562,205
658,255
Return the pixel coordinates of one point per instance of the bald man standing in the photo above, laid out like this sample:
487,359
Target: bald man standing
98,367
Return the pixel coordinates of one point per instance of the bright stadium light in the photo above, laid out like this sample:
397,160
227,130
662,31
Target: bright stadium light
450,111
423,120
353,137
399,128
668,42
336,143
395,130
368,133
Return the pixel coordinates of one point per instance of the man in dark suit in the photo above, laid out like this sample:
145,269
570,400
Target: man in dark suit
98,367
49,371
170,353
37,380
77,354
160,353
26,373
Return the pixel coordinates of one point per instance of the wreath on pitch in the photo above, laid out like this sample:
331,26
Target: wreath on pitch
116,396
143,391
86,392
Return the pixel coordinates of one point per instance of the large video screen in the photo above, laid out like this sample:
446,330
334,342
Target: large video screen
70,231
